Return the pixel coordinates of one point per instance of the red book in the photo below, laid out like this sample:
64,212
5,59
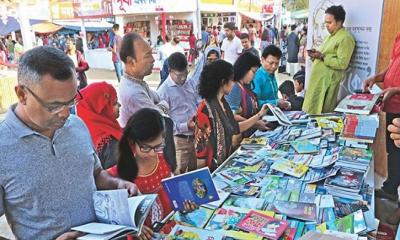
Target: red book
263,225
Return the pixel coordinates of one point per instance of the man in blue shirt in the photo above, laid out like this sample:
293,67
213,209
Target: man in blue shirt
180,92
265,85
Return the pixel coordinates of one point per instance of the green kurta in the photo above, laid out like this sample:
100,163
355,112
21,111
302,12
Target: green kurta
326,75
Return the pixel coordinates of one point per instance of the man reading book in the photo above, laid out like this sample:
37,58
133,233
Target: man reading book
48,166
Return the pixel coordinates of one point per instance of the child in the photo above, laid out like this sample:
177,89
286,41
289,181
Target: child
288,94
299,79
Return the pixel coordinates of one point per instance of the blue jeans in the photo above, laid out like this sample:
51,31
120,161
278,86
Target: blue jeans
118,69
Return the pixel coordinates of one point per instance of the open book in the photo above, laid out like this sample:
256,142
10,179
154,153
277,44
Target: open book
117,214
280,116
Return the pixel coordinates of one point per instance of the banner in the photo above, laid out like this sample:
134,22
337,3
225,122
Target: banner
121,7
223,2
92,8
363,21
61,9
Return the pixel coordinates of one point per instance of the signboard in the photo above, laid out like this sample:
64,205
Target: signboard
121,7
365,30
92,8
244,5
61,9
223,2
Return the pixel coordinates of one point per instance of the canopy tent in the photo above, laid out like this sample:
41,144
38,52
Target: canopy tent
258,16
75,26
300,14
46,27
88,29
11,25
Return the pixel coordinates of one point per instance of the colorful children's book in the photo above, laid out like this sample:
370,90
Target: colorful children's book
196,186
298,210
345,224
290,168
263,225
347,180
357,103
198,218
226,218
304,147
180,232
239,235
333,122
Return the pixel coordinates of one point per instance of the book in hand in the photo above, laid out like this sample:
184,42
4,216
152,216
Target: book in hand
280,116
117,214
358,103
196,186
298,210
263,225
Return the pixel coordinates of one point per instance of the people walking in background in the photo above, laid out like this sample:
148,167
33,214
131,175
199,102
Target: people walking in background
293,45
115,47
247,46
81,65
231,46
303,49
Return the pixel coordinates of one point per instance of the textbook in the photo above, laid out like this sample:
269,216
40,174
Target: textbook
180,232
117,214
290,168
298,210
196,186
304,146
357,103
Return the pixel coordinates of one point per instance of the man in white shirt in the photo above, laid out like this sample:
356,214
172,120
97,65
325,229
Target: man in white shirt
171,47
231,46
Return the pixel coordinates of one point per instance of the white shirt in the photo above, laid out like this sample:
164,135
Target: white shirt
232,49
169,49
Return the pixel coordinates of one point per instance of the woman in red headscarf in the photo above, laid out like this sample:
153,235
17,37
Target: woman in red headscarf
99,109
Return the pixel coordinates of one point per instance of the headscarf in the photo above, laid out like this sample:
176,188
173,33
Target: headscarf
96,110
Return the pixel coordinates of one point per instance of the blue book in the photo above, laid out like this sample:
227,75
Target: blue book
196,186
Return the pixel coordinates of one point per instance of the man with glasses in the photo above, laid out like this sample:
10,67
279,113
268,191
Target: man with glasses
49,169
265,84
179,91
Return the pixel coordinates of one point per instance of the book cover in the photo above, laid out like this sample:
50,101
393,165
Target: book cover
359,222
216,204
307,197
290,168
196,186
304,147
226,218
345,224
263,225
180,232
350,180
333,122
298,210
239,235
281,117
198,218
245,202
357,103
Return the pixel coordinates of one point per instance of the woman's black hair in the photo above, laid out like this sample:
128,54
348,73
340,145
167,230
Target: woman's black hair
143,126
337,12
243,64
213,77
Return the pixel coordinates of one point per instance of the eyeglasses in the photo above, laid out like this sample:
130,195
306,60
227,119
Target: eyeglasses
180,75
55,108
157,149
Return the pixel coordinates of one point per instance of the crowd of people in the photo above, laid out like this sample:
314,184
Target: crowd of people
133,137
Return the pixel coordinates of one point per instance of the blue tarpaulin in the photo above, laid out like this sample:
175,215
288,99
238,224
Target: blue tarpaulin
13,25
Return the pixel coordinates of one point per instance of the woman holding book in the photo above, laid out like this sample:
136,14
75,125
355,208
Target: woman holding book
141,161
241,99
99,109
215,122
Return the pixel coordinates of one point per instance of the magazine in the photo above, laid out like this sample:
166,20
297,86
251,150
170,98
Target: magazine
180,232
280,116
117,214
198,218
298,210
263,225
357,103
290,168
196,186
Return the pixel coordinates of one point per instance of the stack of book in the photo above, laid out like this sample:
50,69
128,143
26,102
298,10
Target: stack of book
354,158
346,184
360,128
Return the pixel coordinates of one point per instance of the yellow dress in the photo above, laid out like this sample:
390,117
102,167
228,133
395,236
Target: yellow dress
326,75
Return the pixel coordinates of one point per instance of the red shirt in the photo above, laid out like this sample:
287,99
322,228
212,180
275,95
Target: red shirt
151,184
392,78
